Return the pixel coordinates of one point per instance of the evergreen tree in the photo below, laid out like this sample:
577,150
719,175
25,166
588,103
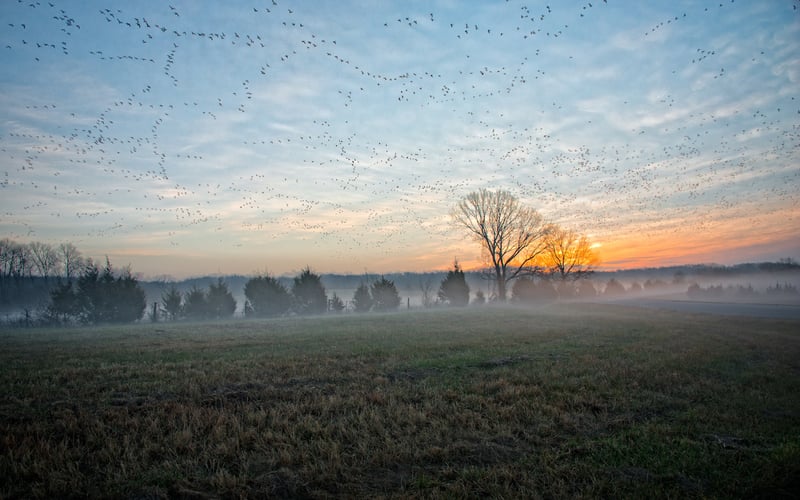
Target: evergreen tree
614,287
63,304
100,297
384,295
337,304
172,301
309,294
454,289
266,296
129,299
362,300
194,304
219,300
526,290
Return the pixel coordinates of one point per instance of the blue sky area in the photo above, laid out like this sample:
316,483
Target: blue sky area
198,137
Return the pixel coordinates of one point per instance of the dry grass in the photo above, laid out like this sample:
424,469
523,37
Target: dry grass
600,401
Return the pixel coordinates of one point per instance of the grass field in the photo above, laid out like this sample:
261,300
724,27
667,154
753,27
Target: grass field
569,401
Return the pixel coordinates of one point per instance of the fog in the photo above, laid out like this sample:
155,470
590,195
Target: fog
644,287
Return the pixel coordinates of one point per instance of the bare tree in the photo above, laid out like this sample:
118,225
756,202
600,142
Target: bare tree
20,263
568,254
71,260
511,235
426,287
7,248
45,258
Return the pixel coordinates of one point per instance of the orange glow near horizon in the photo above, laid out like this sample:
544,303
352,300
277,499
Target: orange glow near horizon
743,237
729,241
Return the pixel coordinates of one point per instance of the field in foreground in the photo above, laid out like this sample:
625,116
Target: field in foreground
588,401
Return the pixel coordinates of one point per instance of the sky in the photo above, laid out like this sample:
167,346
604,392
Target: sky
186,138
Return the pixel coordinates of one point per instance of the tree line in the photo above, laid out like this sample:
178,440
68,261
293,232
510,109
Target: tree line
37,259
97,294
266,296
532,258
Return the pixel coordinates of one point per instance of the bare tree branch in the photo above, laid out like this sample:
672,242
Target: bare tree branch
512,235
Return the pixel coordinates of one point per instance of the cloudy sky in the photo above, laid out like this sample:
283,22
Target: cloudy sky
192,137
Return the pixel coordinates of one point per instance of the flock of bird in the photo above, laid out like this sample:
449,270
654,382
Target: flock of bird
274,125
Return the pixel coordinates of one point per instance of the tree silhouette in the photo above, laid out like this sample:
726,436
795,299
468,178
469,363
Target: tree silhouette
454,289
172,301
511,235
526,290
63,306
266,296
45,259
614,287
568,254
219,300
194,304
384,295
337,304
362,300
102,297
309,294
71,259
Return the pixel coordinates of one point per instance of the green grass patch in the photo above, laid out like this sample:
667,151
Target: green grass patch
567,401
